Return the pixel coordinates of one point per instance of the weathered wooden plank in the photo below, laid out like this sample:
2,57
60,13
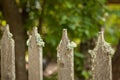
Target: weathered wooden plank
35,44
7,56
101,60
65,58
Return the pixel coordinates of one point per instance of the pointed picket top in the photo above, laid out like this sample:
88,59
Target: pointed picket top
101,59
101,36
65,35
37,37
100,39
64,40
7,32
102,43
7,56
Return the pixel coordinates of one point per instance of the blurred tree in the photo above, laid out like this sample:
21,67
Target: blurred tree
14,19
114,1
116,65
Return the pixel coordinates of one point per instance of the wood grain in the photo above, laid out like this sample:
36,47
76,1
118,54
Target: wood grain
101,60
35,68
65,59
7,56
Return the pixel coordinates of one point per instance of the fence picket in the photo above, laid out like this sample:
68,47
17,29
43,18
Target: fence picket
7,56
35,44
65,58
101,60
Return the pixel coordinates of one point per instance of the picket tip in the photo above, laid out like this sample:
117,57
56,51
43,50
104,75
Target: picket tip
35,30
101,36
64,34
102,43
64,38
39,40
7,28
7,32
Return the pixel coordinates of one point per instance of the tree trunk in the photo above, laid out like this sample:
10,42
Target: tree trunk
41,16
116,63
114,1
84,48
14,19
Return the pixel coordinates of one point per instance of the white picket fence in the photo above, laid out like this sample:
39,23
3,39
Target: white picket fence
100,57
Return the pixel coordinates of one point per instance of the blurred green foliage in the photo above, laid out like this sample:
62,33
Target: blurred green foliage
82,18
113,24
53,77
